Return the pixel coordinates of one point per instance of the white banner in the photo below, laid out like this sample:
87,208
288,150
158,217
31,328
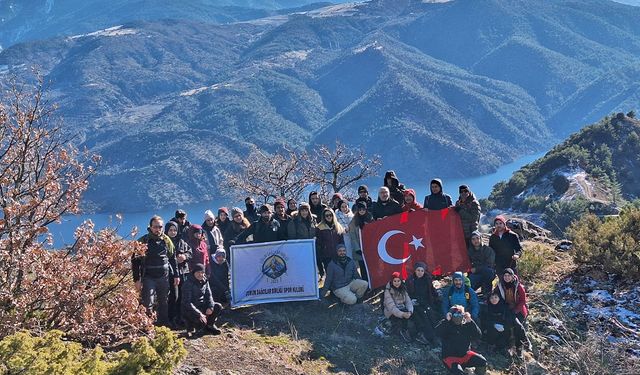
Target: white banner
274,272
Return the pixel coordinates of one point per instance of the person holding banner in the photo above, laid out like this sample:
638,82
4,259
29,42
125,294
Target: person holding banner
361,217
385,205
398,306
239,223
282,217
343,279
328,235
437,200
198,308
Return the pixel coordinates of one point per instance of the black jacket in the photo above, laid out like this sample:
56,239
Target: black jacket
437,201
261,231
505,248
384,209
284,225
196,297
482,257
456,339
159,260
396,189
219,278
422,290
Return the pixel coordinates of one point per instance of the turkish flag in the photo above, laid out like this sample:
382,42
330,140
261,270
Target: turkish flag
397,242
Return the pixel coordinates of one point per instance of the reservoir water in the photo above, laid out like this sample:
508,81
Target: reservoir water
63,232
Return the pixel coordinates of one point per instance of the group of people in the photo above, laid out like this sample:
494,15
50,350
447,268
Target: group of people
184,272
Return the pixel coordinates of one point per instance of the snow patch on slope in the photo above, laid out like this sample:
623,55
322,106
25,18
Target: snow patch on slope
199,90
109,32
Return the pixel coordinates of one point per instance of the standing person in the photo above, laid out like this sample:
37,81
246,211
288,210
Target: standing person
335,202
153,269
437,200
223,221
198,308
361,217
506,246
302,226
183,257
398,306
482,260
292,206
515,297
199,247
343,279
263,230
180,217
282,218
421,290
460,294
317,207
385,205
457,331
396,189
250,213
239,224
344,217
328,235
219,279
468,207
213,236
363,196
409,201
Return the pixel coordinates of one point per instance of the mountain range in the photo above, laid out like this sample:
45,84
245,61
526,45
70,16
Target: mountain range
436,88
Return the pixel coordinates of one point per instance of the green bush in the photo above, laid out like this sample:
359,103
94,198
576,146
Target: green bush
614,242
22,353
534,203
534,259
560,214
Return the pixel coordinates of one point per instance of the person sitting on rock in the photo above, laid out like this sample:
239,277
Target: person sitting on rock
506,246
425,297
482,260
499,323
515,297
343,279
459,293
437,200
398,306
457,331
198,308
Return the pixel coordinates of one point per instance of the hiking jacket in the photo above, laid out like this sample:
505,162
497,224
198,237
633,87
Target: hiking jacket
395,302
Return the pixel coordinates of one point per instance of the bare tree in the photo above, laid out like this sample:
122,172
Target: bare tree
268,176
339,167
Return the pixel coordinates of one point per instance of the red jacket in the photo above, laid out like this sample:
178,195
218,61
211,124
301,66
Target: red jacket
520,305
413,206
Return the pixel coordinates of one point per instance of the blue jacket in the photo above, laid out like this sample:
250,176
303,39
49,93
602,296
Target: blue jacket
464,296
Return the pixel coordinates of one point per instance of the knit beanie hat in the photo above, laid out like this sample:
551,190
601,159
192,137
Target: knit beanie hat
264,208
209,215
223,209
198,267
236,210
476,233
422,265
361,204
363,189
220,252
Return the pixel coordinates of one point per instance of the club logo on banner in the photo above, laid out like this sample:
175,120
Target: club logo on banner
397,242
268,272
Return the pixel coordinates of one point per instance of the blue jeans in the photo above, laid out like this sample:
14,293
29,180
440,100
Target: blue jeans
482,278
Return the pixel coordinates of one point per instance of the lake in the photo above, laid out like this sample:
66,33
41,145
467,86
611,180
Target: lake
63,232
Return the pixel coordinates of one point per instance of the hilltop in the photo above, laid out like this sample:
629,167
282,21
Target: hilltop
597,167
451,89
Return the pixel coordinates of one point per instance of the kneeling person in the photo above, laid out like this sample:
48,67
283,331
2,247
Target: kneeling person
343,280
198,308
456,333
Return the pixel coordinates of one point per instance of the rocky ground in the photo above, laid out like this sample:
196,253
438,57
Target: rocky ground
568,305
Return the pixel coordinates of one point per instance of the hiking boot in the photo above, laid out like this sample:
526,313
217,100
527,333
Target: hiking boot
213,330
405,335
421,339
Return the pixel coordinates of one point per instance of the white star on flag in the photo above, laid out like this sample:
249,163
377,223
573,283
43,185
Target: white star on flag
417,242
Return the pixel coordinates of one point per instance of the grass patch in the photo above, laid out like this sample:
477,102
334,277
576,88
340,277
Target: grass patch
280,340
534,259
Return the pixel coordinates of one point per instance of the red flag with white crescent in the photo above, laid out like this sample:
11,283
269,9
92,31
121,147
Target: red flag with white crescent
397,242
